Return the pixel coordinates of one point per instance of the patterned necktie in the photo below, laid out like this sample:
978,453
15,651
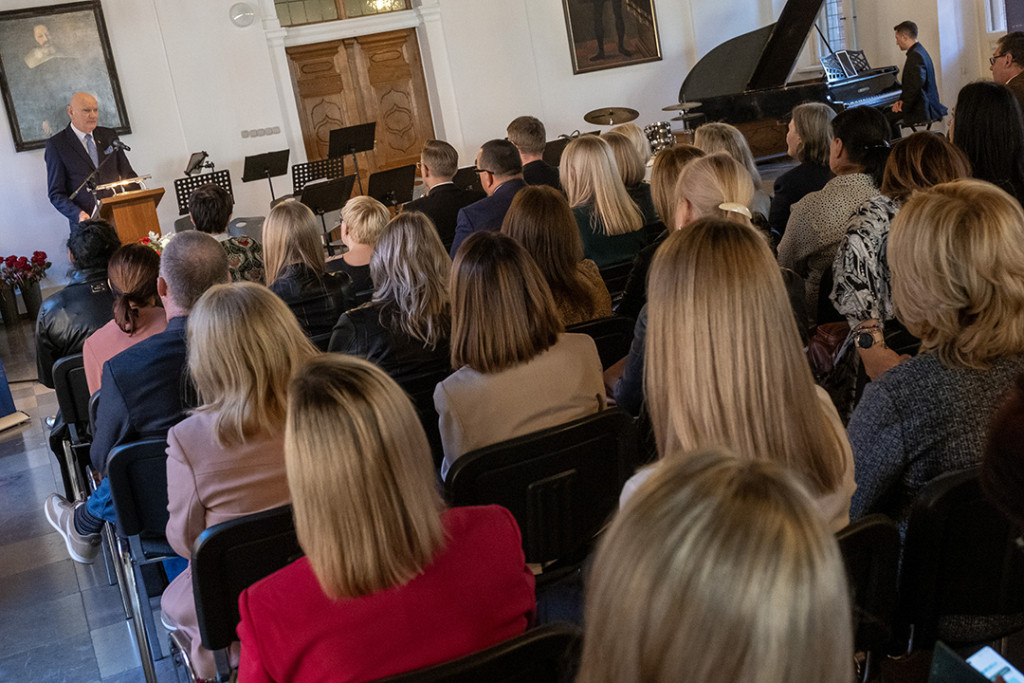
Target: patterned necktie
90,147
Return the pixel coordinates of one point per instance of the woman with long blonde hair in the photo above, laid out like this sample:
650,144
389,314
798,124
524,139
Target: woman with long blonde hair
294,256
610,223
387,568
405,328
227,459
718,570
724,364
633,171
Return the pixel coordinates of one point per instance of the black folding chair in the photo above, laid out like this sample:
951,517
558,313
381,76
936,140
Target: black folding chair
73,401
227,558
421,390
871,550
561,484
547,654
613,335
960,560
138,486
615,277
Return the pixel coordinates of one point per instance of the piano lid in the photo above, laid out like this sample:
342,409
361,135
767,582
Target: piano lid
760,59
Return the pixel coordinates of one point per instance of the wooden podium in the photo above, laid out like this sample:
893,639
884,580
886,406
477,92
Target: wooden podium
133,214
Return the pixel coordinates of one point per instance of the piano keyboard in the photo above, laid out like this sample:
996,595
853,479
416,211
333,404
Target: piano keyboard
880,100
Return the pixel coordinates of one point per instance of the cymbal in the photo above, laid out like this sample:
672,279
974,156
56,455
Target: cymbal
611,116
682,106
688,117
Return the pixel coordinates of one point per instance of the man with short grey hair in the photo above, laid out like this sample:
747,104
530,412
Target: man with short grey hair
146,389
444,199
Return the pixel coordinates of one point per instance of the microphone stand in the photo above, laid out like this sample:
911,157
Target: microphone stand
88,179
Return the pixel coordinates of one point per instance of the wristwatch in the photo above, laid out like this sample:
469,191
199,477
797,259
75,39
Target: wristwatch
869,336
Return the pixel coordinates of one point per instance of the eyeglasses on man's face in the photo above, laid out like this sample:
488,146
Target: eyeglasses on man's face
993,58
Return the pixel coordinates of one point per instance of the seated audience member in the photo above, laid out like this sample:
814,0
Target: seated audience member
405,329
1002,467
668,164
632,170
528,135
68,317
518,372
808,140
981,109
861,281
441,204
1006,64
392,580
540,219
296,270
146,389
718,570
609,222
138,315
501,174
362,220
713,281
635,134
226,460
721,137
817,223
209,207
957,257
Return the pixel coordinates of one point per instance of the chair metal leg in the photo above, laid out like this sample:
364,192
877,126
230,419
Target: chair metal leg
181,648
133,584
71,466
110,541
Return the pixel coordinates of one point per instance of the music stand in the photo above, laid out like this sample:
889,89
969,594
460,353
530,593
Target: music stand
268,165
184,187
394,186
303,174
468,179
328,195
350,140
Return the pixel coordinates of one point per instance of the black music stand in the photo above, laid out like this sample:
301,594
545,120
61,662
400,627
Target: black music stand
394,186
468,179
325,196
303,174
268,165
184,187
350,140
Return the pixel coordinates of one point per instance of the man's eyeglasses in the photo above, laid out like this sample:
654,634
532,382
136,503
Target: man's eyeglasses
993,58
482,170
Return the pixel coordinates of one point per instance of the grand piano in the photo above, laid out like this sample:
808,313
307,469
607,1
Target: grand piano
743,81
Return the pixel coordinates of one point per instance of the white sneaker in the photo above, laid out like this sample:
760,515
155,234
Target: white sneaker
60,513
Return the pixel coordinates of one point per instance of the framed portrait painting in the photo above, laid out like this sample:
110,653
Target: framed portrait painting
604,34
47,54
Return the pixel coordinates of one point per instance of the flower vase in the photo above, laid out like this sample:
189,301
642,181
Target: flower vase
33,298
8,305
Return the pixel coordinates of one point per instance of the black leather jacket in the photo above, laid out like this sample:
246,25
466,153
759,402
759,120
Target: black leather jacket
317,301
68,317
360,333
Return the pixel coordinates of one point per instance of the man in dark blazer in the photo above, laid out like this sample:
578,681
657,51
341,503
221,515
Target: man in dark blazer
501,176
145,389
1006,64
438,163
75,152
528,135
919,102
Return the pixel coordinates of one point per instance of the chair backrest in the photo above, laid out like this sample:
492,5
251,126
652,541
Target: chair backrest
871,551
72,391
547,654
229,557
138,487
561,484
960,558
615,277
421,390
613,336
249,226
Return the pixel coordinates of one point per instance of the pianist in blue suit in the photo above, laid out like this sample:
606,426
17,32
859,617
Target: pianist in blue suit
919,102
75,152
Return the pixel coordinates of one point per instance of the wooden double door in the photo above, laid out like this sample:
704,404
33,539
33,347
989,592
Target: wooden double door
378,78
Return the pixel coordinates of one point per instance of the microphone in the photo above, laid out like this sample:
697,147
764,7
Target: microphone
117,144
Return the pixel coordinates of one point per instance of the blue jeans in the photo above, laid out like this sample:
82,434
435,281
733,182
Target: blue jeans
100,505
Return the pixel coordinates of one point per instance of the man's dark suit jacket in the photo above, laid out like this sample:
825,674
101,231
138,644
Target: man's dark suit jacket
145,391
442,206
1016,86
486,214
68,164
540,172
920,94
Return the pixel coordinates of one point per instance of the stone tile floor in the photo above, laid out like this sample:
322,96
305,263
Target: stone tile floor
59,620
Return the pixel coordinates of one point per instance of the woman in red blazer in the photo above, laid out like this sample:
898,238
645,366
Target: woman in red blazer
391,580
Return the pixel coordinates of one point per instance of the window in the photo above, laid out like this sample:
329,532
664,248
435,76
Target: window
297,12
835,22
995,16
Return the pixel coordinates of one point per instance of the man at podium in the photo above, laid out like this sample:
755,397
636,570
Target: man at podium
75,152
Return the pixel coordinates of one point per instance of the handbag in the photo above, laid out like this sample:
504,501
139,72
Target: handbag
826,346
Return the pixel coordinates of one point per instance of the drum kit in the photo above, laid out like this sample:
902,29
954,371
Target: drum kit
659,134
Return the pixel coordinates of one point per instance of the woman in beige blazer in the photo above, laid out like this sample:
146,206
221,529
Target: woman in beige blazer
227,459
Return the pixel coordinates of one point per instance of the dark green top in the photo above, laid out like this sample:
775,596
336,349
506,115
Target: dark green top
602,249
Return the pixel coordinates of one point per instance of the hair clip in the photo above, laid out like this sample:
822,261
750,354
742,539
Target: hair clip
735,208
